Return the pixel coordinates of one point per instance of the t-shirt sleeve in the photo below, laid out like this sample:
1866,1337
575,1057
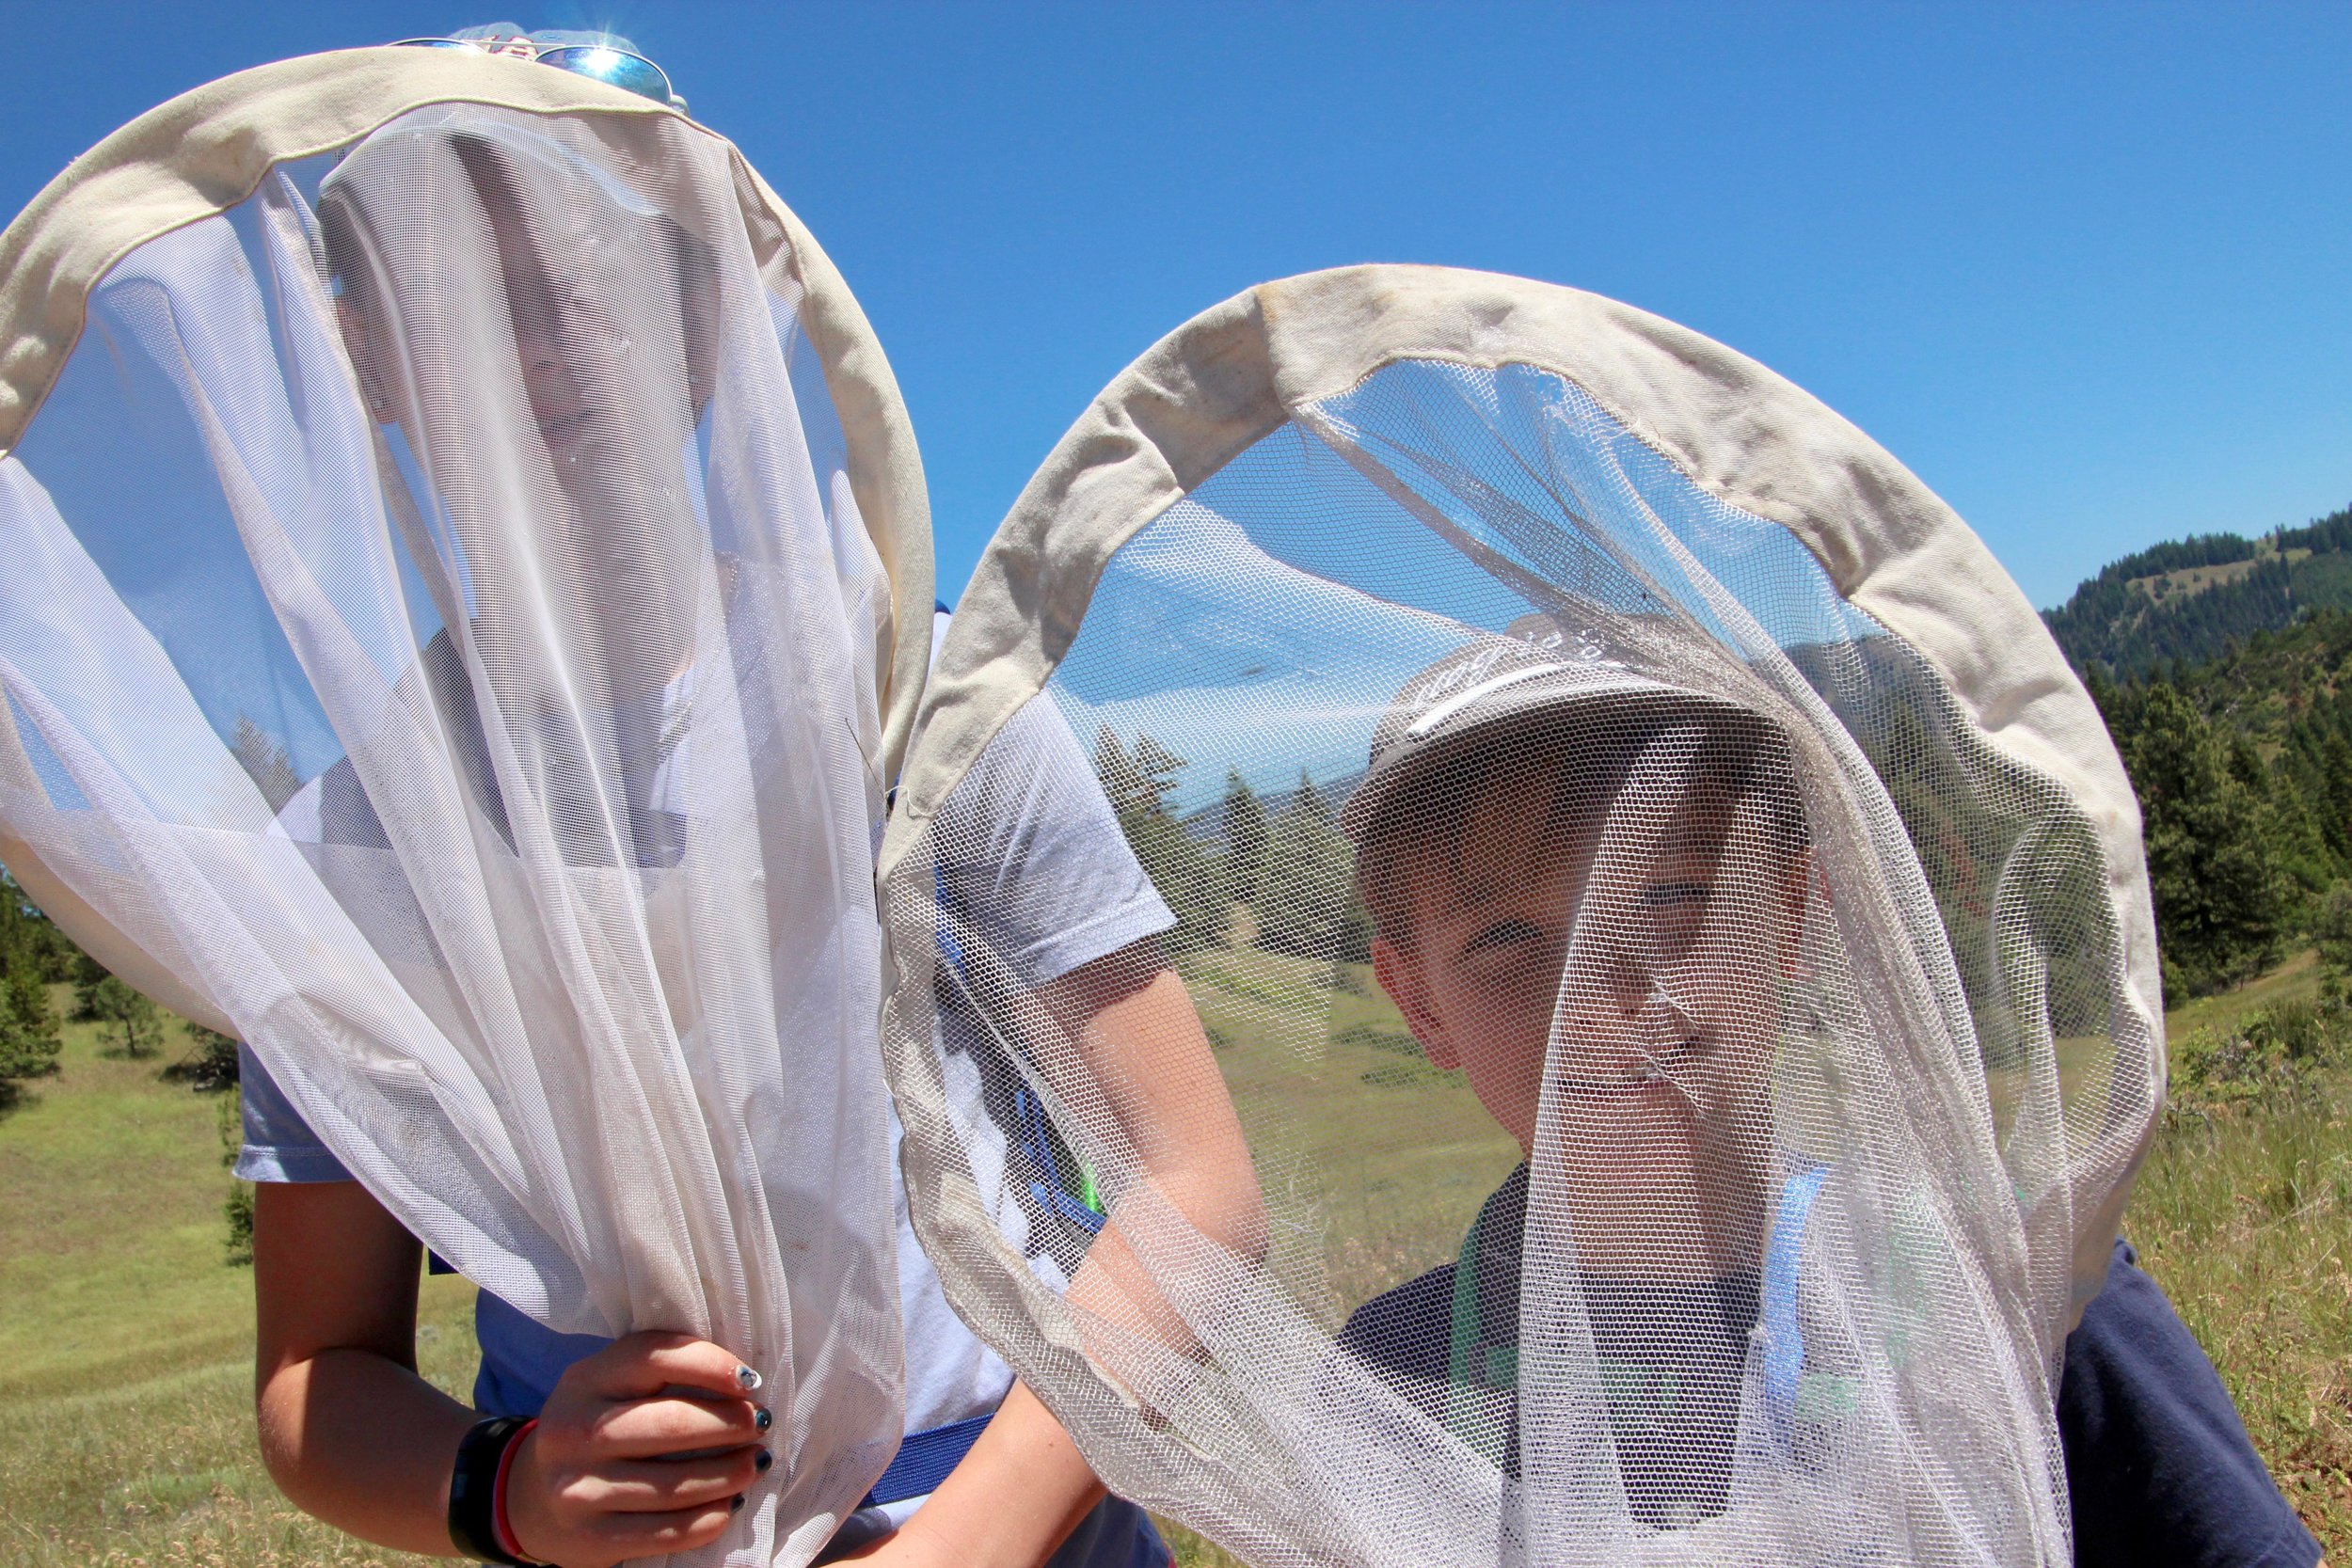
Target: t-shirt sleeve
2158,1466
279,1145
1030,860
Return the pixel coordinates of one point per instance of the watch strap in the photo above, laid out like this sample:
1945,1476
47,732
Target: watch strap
473,1489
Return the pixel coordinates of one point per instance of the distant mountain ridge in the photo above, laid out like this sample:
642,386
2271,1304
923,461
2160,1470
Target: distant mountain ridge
2186,601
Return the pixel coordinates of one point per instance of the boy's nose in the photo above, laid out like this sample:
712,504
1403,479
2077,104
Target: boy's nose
1609,963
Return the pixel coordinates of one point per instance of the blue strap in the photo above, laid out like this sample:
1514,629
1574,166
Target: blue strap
1049,1192
1776,1318
924,1460
949,948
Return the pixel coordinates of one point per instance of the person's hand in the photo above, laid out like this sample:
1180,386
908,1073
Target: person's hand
646,1447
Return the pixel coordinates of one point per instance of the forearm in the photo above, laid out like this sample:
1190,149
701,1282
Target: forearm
1013,1500
363,1443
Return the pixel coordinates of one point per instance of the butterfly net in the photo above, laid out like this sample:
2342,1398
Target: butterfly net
1642,1051
446,646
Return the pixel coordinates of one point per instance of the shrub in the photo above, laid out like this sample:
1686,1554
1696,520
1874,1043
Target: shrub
2272,1054
237,1208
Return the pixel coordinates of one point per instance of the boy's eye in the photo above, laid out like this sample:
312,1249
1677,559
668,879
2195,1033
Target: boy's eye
1676,910
1675,895
1502,933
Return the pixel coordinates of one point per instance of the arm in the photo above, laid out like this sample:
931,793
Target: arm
1137,1041
1010,1504
1130,1029
355,1437
350,1433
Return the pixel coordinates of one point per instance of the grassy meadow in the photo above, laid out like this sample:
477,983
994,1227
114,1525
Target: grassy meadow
125,1333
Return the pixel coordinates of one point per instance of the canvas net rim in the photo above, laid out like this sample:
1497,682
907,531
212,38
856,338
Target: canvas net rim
1740,432
208,150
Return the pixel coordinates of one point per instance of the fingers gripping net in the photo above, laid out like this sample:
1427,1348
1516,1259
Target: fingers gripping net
443,642
1628,1063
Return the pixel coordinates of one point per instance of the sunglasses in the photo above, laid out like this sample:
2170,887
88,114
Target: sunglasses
600,62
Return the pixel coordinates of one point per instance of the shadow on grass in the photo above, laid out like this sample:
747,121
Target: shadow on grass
199,1073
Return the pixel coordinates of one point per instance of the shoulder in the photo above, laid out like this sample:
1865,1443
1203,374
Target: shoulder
1404,1332
2159,1468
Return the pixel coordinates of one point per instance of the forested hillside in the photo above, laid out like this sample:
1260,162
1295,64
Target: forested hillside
2242,765
2223,666
2187,600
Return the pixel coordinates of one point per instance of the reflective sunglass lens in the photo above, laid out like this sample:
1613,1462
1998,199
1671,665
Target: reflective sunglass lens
437,44
632,72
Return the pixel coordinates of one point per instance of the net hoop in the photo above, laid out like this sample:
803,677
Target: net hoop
1745,434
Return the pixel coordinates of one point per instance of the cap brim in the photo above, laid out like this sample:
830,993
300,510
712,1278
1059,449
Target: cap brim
1520,697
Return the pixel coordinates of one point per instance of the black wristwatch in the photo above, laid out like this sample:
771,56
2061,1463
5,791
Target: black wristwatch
473,1490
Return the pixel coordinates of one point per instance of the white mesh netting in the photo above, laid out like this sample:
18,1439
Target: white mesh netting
441,647
1625,1064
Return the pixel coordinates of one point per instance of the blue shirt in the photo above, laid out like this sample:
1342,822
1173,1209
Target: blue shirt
2159,1471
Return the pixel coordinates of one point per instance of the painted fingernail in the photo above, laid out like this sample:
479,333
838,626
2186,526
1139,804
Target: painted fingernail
748,1379
763,1460
761,1419
734,1504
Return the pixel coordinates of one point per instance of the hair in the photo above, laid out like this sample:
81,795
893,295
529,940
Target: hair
1418,827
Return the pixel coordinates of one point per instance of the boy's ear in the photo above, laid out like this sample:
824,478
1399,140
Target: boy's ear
1400,975
1796,887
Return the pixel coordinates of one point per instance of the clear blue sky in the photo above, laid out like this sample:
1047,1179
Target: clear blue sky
2086,269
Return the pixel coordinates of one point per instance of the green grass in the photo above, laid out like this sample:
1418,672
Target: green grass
2244,1213
126,1337
126,1430
1381,1160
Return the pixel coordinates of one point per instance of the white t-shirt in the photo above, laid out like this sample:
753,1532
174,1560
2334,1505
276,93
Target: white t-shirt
1042,868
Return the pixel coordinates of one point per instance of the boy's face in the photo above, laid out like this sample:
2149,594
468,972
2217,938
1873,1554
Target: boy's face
1629,949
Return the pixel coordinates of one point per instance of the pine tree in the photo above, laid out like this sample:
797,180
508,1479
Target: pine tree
264,759
29,936
2291,836
28,1029
127,1021
1138,783
2218,897
2332,932
1308,884
212,1067
1244,823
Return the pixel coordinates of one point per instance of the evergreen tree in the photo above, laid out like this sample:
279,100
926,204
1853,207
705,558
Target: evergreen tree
1245,823
2218,897
89,976
1307,893
211,1066
1138,783
2291,835
127,1021
2333,933
28,936
28,1029
2332,783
